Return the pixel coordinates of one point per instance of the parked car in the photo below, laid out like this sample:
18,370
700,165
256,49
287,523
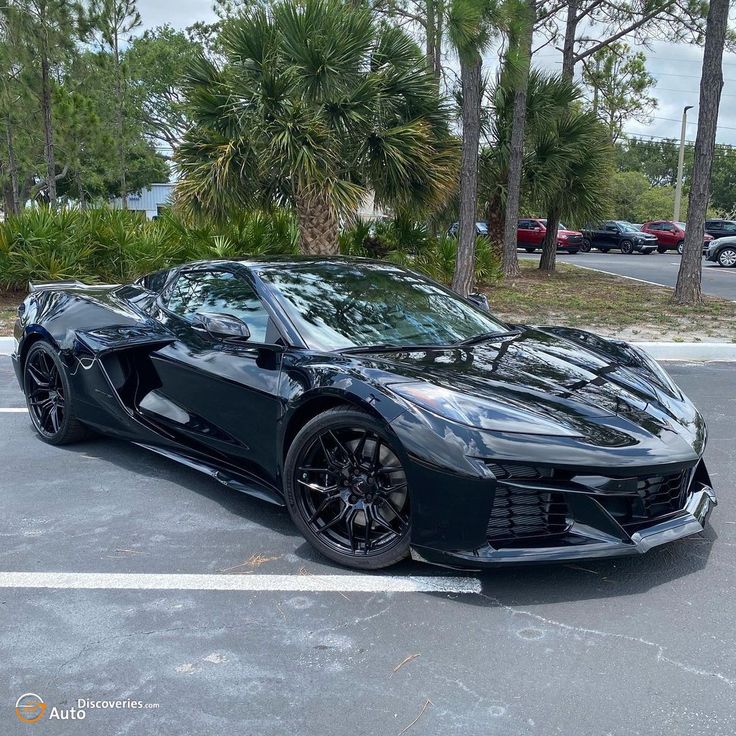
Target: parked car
532,231
721,228
481,228
670,235
722,252
619,234
388,414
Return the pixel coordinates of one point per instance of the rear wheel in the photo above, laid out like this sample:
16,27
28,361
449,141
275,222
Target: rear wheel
727,257
585,247
49,397
346,490
627,247
680,247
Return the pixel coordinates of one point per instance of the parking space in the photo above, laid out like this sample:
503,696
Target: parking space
642,645
656,268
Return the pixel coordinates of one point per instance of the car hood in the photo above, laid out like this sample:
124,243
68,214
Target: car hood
560,384
561,231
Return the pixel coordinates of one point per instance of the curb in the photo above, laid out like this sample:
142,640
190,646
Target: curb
697,352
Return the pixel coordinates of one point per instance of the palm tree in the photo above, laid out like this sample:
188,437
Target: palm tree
472,24
315,104
565,161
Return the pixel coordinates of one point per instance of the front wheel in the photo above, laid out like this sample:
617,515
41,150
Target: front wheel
680,247
346,490
661,249
585,247
727,257
627,247
49,397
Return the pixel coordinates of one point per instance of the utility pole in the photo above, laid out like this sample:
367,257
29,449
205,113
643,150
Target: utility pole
681,165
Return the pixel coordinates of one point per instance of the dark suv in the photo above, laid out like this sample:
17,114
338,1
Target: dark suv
618,234
720,228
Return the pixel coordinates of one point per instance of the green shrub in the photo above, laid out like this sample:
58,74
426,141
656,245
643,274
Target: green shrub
104,245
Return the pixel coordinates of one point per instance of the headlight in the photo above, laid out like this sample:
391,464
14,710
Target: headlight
562,236
478,412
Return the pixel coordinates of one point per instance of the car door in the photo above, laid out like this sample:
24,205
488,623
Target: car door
611,235
714,228
228,389
668,235
523,234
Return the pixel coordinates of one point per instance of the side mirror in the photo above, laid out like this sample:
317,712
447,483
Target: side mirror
221,326
480,301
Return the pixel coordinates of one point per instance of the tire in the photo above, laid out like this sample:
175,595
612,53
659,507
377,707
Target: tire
341,471
627,247
585,247
661,249
680,246
530,250
49,397
727,257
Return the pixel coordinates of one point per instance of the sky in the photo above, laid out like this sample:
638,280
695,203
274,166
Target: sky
676,67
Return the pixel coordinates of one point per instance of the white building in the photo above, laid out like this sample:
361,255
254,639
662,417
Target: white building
150,200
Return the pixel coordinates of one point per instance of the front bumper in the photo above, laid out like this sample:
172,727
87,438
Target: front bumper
592,542
645,246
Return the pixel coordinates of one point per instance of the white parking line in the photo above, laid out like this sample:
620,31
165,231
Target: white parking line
14,410
259,583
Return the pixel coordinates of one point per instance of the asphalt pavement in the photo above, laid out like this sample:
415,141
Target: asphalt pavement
643,645
657,268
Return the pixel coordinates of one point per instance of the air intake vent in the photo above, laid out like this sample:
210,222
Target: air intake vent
522,516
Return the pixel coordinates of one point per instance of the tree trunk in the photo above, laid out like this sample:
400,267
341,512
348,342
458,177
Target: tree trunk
318,227
688,289
120,125
470,75
80,190
48,130
14,200
509,255
548,260
568,47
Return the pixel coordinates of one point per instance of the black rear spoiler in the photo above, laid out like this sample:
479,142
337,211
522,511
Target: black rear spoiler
61,285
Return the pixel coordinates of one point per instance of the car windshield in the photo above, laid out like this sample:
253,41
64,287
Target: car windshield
681,225
344,304
560,225
626,226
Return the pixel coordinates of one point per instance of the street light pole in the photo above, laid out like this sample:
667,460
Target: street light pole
681,165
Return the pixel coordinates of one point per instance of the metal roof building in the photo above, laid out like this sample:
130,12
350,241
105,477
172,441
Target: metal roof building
150,200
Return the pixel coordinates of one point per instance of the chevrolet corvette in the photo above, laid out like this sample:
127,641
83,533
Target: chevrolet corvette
390,416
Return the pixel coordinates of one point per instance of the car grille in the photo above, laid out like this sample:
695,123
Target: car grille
576,239
530,517
521,514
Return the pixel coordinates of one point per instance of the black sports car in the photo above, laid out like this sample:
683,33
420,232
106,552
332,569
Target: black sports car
388,414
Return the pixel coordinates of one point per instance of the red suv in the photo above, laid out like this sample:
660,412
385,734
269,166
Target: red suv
670,235
531,231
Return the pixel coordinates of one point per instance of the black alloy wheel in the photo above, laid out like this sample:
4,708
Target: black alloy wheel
627,247
586,246
48,397
346,490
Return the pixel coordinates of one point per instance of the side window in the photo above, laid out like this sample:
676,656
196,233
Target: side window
219,292
729,227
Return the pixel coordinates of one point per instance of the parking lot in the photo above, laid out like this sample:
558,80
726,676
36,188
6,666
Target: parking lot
637,646
656,268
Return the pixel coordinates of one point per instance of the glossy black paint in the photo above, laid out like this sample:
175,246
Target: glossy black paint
568,404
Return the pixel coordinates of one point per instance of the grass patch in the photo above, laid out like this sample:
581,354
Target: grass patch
611,305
